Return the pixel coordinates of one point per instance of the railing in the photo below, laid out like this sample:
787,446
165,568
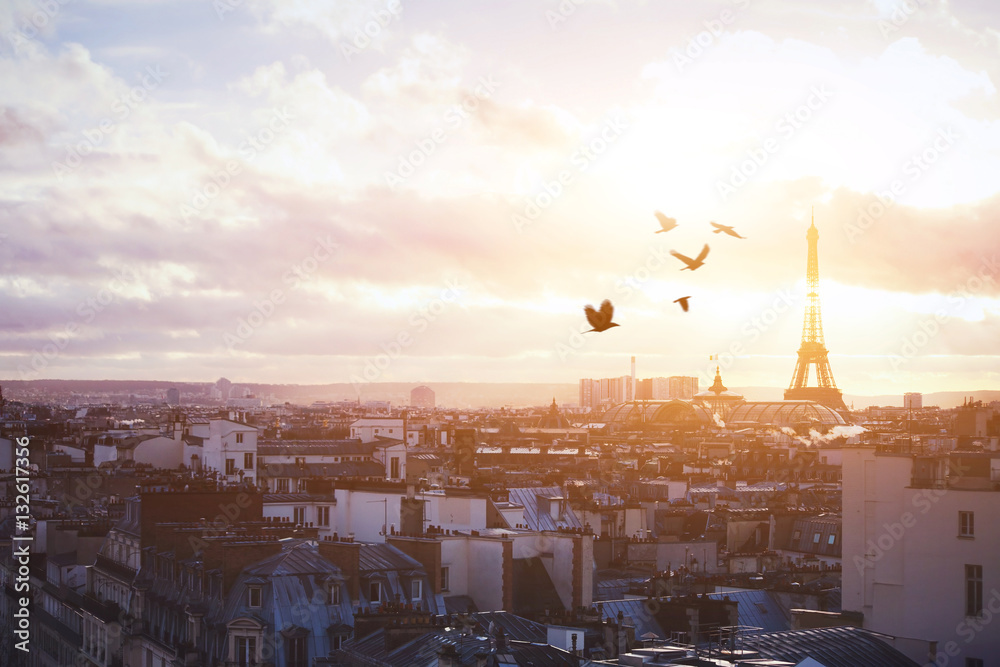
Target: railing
114,567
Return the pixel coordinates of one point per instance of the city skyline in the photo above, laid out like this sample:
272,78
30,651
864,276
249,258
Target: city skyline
396,192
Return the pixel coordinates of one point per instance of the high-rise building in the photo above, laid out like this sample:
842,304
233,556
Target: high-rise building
597,394
173,396
913,400
682,387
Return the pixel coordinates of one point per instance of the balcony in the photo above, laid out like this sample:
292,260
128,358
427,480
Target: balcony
113,567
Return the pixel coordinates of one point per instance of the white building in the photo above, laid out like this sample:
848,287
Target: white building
921,550
226,446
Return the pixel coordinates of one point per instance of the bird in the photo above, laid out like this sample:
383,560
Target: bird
665,222
725,228
683,301
692,263
600,319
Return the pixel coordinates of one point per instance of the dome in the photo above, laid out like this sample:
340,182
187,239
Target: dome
553,419
658,412
784,413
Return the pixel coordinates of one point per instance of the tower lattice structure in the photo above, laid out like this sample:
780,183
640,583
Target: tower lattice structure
813,350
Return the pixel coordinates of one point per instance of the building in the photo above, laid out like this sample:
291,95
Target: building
682,387
173,397
921,547
601,393
913,400
422,397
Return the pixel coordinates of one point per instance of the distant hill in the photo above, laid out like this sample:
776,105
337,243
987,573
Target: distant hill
447,394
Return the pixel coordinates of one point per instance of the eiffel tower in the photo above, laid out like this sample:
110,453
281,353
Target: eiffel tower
813,351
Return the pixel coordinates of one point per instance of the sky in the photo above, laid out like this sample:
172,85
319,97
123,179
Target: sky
310,192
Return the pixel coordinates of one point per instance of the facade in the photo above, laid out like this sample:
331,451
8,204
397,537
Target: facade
913,400
922,547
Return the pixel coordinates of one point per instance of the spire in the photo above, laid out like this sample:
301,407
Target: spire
717,386
813,352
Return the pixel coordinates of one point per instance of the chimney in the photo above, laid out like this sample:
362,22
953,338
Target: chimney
633,379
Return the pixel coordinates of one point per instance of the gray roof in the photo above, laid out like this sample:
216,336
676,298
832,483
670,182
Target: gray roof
293,595
376,556
834,647
515,627
529,498
759,609
636,614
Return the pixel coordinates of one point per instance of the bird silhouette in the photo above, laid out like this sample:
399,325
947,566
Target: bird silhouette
665,222
725,228
600,319
683,301
692,263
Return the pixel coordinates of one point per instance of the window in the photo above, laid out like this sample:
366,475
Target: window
375,592
299,515
832,539
281,485
248,461
796,535
973,590
230,466
444,578
300,461
295,652
323,516
974,662
239,438
246,651
966,524
254,597
334,593
416,590
815,538
394,467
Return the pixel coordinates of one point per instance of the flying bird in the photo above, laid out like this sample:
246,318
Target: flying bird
683,301
725,228
600,319
665,222
692,263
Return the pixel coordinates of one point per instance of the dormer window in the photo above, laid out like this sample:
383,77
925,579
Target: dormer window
333,595
253,597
